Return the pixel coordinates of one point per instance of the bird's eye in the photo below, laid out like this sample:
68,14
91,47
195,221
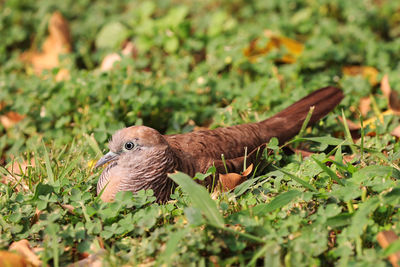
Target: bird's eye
129,145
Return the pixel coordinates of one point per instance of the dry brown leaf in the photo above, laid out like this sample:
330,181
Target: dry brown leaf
385,86
23,248
385,238
230,180
371,121
16,169
368,72
293,47
394,102
129,50
249,169
69,208
11,118
62,75
214,259
280,77
19,167
396,132
35,217
109,60
348,158
12,259
379,3
58,42
391,95
303,153
365,105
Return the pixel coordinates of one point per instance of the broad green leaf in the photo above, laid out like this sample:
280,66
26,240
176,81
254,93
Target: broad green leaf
175,16
376,170
340,220
111,35
42,190
338,155
278,202
240,189
360,218
393,197
273,143
146,9
171,44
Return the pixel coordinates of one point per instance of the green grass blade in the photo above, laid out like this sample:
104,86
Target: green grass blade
306,121
328,140
49,171
261,252
277,203
362,136
165,258
93,144
297,179
347,134
69,167
392,248
200,198
328,171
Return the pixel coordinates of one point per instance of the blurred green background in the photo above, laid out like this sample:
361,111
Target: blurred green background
189,67
198,64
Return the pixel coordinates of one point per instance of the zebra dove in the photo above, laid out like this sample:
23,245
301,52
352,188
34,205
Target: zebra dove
141,158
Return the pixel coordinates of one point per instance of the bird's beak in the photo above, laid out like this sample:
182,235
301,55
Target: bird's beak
110,156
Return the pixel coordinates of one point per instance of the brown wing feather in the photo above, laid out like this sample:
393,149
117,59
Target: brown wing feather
231,141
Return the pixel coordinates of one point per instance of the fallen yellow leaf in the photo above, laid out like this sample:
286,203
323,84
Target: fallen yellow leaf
12,259
10,119
24,249
294,48
58,42
367,72
129,50
365,105
371,121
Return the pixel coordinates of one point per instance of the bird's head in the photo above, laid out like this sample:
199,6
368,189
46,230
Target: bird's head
139,158
132,141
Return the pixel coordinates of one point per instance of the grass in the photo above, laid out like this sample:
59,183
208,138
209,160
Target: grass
190,70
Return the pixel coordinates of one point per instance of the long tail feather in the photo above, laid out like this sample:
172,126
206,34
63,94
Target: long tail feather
287,123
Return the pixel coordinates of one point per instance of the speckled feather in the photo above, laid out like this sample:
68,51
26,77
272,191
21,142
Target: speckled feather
147,166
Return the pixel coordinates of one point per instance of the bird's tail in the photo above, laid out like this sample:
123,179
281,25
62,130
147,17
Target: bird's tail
289,121
286,124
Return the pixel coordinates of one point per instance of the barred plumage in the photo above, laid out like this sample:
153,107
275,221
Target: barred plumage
153,155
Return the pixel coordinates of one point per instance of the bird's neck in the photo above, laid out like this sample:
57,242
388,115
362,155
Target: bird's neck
150,171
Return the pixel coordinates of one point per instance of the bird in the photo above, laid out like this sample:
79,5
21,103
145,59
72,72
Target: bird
141,157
